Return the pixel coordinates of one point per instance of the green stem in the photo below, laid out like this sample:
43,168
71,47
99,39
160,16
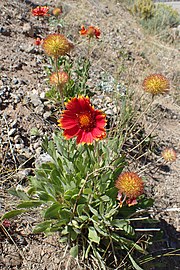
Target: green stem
59,88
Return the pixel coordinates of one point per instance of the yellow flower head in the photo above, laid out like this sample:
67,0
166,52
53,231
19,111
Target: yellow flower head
156,84
61,78
169,154
130,185
57,11
56,45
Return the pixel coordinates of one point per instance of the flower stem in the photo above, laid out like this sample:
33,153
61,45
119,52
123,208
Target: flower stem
59,88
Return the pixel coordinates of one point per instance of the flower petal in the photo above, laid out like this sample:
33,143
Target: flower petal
70,133
96,132
85,137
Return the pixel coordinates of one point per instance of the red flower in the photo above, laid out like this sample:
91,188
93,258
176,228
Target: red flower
91,31
40,11
6,223
81,120
38,41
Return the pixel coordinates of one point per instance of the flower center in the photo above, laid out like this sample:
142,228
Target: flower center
86,121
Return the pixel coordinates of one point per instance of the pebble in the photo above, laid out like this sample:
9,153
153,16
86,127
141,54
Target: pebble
28,30
46,115
5,31
14,123
36,144
22,174
43,158
35,100
42,95
12,132
38,150
109,112
39,109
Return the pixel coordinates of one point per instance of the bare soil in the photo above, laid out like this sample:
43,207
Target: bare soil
23,83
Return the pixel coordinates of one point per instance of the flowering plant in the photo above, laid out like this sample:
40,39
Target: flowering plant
85,196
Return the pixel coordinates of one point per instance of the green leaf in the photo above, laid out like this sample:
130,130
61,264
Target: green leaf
60,223
112,193
19,193
101,208
53,211
83,218
92,235
117,172
29,204
87,251
88,191
63,239
105,198
100,259
56,180
44,196
111,213
94,211
73,233
124,225
145,203
43,226
74,251
119,223
101,230
45,144
71,193
80,209
12,213
135,265
66,214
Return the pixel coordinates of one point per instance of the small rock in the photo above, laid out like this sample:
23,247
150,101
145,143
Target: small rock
14,123
23,174
28,30
43,158
5,32
38,151
42,95
46,115
27,153
18,146
39,109
12,132
109,112
36,145
35,100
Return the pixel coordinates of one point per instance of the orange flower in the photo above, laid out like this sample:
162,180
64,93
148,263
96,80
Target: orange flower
56,45
156,84
57,11
169,154
38,41
40,11
61,79
130,185
81,120
91,31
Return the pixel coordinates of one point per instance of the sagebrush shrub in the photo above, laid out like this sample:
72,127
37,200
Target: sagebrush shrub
143,9
164,17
